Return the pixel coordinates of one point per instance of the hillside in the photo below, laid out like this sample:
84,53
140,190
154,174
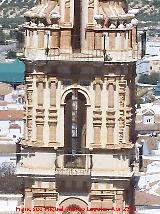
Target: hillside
11,11
149,11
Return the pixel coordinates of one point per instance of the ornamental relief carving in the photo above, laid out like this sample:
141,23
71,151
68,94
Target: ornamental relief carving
91,4
29,97
29,134
97,81
29,79
29,124
111,82
40,79
29,86
122,99
52,81
67,3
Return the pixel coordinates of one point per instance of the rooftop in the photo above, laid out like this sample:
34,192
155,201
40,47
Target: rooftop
11,115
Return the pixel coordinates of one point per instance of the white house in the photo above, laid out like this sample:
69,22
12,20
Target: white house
148,118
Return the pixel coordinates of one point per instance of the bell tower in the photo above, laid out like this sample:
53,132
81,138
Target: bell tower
80,61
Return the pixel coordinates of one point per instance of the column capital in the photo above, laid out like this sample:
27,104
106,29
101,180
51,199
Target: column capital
97,81
52,80
111,83
40,78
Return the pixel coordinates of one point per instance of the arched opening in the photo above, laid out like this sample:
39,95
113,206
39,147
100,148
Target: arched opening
74,127
74,206
74,209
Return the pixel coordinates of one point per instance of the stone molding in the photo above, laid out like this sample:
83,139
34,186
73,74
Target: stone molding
97,118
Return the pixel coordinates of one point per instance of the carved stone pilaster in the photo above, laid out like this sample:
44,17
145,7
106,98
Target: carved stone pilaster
40,115
29,96
40,82
110,124
90,13
111,87
128,124
98,83
97,123
29,113
52,126
122,86
29,81
40,125
39,139
67,17
29,127
128,103
110,114
53,86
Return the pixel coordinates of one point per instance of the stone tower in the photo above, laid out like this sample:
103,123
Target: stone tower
80,58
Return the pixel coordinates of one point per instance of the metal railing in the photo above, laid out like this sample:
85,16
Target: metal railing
77,164
92,48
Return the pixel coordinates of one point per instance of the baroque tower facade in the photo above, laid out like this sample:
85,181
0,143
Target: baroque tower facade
80,58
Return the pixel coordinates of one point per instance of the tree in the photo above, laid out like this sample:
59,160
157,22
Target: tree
11,54
143,79
2,38
9,182
154,77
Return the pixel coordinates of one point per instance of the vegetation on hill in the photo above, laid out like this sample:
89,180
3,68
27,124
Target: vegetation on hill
149,14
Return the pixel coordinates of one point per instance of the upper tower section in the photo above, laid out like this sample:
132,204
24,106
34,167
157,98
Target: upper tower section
81,30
